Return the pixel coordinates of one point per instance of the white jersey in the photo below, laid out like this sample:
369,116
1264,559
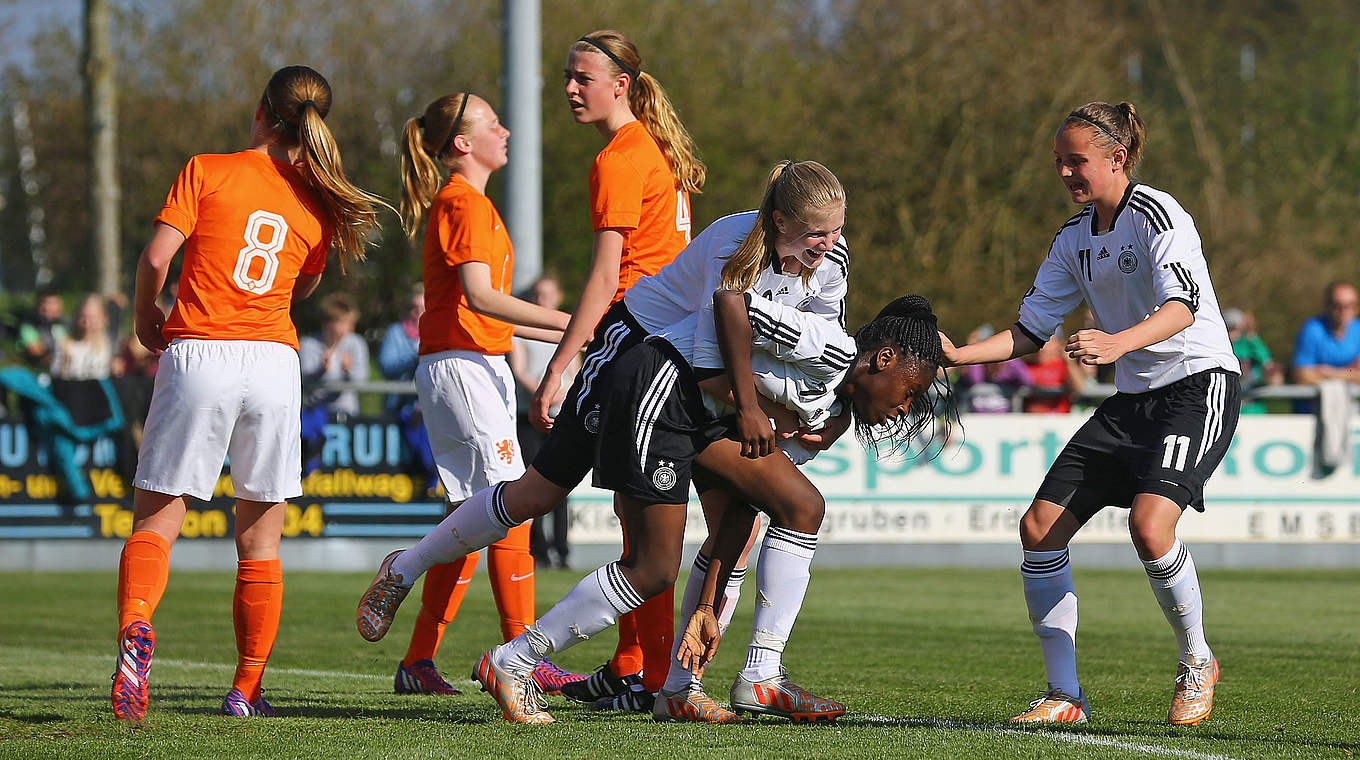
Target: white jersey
663,302
1150,255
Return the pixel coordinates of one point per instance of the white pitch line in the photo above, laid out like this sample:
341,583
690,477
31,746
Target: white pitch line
279,671
1070,738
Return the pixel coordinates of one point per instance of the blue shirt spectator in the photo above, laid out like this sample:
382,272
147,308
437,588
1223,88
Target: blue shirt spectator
1328,345
400,349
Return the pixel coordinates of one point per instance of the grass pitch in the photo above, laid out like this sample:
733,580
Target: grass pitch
931,663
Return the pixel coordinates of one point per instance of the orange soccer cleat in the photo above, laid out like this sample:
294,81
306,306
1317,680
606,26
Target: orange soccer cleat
1056,706
1194,697
782,697
520,698
378,606
691,705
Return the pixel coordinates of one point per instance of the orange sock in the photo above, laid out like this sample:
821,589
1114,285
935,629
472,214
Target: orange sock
628,654
512,580
445,586
655,631
143,571
255,610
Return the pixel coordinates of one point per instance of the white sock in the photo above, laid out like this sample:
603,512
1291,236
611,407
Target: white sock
593,605
477,523
731,595
1052,603
781,582
678,678
1176,587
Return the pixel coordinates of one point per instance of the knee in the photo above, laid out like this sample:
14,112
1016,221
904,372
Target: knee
804,513
1039,534
1150,540
650,579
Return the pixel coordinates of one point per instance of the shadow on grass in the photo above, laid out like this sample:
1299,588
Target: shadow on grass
34,718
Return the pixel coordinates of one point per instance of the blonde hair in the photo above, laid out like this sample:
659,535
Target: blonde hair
296,101
795,190
425,155
1112,126
648,102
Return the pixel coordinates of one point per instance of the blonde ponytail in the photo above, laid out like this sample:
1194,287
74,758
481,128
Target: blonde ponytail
648,101
797,191
297,100
423,159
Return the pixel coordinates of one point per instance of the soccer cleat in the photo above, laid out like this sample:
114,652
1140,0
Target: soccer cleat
780,696
135,647
602,683
379,604
421,678
551,679
520,699
236,704
1056,706
691,705
635,699
1194,697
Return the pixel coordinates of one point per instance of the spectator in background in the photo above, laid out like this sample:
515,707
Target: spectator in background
1328,345
1054,377
86,353
81,365
40,333
397,358
988,388
528,361
336,354
1327,354
1258,368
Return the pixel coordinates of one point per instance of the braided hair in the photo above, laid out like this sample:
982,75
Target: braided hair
909,325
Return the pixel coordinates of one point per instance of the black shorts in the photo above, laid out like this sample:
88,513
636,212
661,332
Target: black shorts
1166,441
568,452
652,425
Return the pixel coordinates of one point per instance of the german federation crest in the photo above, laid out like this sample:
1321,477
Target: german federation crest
663,477
1128,262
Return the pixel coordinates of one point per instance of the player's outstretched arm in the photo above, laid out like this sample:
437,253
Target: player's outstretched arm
734,341
1004,345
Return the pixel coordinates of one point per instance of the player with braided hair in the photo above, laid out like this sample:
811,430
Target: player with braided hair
655,428
907,327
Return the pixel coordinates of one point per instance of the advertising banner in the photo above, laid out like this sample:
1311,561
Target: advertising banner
1268,490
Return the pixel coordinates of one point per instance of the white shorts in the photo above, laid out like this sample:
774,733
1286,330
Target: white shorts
219,398
467,400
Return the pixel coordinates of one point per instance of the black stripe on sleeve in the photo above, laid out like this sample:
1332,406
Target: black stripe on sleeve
1137,205
1031,335
1156,207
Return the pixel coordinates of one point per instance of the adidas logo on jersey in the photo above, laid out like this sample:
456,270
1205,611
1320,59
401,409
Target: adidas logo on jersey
1104,254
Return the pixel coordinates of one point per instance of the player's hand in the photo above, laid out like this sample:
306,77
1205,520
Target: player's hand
148,324
548,388
821,440
1093,347
699,642
949,349
755,433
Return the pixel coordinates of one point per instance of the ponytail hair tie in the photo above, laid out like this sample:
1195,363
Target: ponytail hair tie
420,122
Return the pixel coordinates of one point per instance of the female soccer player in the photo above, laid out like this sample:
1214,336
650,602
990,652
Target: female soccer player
655,428
462,378
800,218
256,227
1133,254
639,200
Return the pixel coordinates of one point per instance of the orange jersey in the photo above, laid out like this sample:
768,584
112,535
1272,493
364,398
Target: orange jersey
633,190
251,224
464,226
